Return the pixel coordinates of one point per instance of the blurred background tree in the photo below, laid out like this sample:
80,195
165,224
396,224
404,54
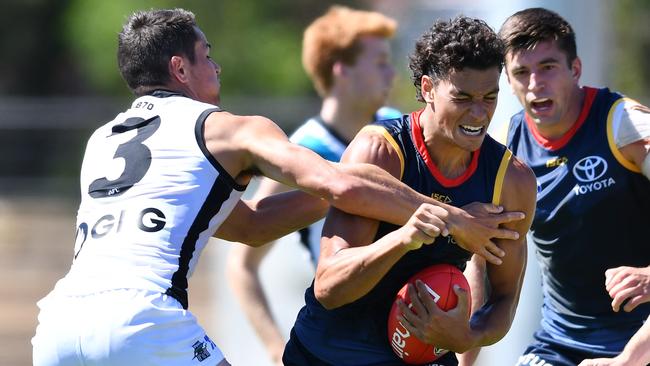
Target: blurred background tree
67,47
631,49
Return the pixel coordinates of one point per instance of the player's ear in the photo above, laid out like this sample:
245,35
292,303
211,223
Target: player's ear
426,88
177,69
576,68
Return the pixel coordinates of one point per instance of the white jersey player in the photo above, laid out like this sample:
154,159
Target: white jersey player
151,197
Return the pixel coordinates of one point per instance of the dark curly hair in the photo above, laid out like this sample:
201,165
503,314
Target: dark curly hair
525,29
453,46
148,40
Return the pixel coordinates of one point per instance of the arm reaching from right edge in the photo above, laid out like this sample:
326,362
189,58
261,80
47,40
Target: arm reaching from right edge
632,284
635,353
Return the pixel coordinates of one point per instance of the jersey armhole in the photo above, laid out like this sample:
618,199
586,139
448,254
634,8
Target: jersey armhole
392,142
200,140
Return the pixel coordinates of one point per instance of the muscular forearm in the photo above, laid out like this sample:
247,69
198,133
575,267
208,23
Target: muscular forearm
271,217
374,193
493,320
353,272
285,213
491,323
475,274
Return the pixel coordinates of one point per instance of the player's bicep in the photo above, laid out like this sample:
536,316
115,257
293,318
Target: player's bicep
276,157
519,193
343,230
373,147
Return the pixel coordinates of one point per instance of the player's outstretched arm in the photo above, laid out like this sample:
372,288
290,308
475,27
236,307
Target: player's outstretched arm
359,189
246,144
271,217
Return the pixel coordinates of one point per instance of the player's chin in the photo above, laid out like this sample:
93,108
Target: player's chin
471,143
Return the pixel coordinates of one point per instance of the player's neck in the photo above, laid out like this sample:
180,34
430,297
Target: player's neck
344,118
450,159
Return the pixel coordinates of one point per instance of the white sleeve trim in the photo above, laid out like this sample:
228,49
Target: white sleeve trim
633,123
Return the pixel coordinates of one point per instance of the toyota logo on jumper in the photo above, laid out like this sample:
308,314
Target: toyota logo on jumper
590,168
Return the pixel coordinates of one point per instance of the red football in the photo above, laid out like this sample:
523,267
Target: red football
440,279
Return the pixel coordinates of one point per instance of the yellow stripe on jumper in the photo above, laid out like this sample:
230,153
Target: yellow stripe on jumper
501,173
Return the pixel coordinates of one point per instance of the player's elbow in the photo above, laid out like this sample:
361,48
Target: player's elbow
326,297
327,292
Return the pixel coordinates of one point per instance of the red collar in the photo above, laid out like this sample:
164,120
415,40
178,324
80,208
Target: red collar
418,139
556,144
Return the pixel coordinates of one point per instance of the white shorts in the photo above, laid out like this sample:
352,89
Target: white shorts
120,327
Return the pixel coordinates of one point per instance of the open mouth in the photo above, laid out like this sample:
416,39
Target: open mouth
472,130
541,104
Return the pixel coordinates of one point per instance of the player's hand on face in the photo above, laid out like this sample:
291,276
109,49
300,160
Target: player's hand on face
477,224
424,226
631,284
425,320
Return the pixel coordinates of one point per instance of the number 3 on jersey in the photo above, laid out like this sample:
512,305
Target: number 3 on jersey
136,155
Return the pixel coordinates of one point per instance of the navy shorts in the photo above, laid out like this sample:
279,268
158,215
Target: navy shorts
548,352
296,354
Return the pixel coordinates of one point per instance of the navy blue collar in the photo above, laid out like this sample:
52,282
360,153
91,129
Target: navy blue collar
163,93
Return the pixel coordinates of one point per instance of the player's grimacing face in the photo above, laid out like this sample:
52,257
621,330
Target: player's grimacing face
464,105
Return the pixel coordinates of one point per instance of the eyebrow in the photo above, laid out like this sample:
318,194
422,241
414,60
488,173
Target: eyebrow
466,94
549,60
